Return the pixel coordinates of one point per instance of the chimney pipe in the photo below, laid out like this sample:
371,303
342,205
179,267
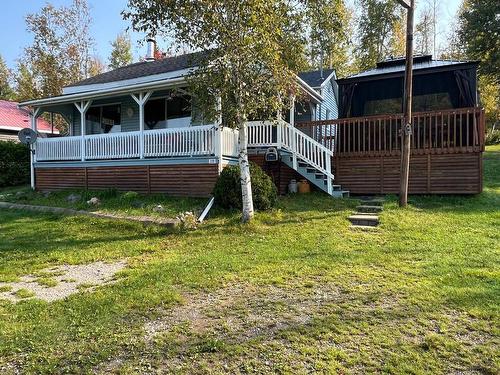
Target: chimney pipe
150,56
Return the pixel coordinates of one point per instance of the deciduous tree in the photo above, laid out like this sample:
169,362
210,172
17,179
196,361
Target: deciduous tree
329,24
121,54
6,92
252,50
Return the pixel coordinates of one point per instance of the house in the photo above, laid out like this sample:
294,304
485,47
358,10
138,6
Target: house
138,128
13,119
448,129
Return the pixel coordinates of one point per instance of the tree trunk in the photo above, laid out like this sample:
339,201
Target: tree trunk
246,184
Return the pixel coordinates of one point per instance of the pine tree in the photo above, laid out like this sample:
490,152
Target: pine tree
121,54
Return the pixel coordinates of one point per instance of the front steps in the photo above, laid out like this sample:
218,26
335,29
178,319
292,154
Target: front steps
366,217
314,176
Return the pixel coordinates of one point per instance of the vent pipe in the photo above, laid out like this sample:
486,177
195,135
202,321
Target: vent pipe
150,56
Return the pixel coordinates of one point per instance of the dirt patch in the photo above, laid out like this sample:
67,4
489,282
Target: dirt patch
65,280
241,312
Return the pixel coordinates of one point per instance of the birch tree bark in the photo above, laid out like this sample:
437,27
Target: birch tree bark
246,184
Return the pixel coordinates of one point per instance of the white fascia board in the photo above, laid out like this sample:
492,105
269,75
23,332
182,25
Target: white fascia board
309,90
71,98
329,78
127,82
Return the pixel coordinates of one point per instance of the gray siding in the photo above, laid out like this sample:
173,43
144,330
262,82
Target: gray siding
330,103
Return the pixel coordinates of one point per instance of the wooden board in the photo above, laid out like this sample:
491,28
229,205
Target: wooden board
429,174
177,180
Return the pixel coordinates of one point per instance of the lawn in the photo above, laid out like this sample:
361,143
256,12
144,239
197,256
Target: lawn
296,291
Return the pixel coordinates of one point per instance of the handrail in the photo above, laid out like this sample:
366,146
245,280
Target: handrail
446,131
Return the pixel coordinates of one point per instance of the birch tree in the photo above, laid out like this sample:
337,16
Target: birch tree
250,53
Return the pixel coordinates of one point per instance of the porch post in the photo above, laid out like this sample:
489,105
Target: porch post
34,115
218,132
141,101
292,123
83,107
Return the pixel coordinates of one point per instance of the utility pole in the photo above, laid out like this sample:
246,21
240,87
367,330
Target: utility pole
407,119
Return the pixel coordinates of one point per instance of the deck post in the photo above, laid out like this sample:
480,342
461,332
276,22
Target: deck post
34,115
292,123
141,101
329,170
83,107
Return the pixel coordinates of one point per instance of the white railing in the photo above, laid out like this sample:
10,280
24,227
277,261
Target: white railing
299,144
180,142
112,146
229,142
64,148
262,133
190,141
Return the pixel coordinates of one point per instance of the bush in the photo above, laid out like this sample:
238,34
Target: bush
130,195
493,137
14,164
227,190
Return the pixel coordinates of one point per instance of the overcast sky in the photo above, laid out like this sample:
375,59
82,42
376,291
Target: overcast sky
107,24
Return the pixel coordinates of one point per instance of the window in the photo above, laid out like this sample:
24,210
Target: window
178,107
103,119
154,114
327,114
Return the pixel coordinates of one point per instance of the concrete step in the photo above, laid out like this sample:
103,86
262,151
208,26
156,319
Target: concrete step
372,202
340,193
366,220
364,208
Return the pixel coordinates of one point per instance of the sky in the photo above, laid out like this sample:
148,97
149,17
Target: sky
107,24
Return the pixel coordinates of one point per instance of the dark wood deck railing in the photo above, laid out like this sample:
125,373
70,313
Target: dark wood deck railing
447,131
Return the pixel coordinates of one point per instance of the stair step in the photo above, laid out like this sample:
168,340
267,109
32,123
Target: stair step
372,202
364,228
369,209
340,193
367,220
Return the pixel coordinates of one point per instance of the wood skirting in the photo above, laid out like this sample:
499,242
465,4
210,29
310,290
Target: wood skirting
429,174
194,180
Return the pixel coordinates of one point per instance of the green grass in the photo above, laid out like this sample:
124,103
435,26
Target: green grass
24,293
112,201
420,295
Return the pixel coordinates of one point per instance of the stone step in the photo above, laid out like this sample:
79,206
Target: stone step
364,208
367,220
372,202
364,228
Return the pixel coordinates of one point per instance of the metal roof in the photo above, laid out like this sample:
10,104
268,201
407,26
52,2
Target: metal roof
398,66
14,118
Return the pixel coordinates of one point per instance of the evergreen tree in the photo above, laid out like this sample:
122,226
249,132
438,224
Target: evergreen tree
121,54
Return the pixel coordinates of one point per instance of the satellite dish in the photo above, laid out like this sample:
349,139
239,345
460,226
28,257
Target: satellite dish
27,136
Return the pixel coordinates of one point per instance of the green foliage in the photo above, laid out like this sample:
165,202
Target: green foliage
227,189
492,137
121,54
380,32
130,195
330,33
14,164
479,32
250,64
6,92
61,50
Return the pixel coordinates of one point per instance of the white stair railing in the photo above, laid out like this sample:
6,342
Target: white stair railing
308,150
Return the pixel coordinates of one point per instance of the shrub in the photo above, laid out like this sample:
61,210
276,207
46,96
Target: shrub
227,190
130,195
14,164
493,137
